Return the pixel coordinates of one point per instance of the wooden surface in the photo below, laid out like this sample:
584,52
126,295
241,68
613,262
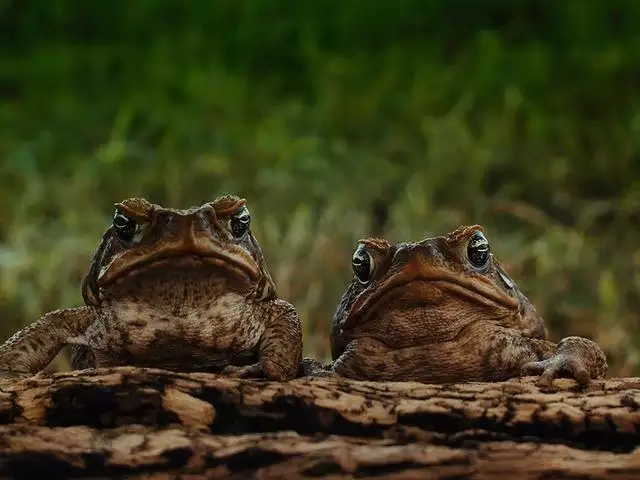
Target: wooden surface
148,423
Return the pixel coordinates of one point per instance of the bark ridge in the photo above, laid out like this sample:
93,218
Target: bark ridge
150,423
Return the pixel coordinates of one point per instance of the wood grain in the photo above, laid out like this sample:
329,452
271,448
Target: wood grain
150,423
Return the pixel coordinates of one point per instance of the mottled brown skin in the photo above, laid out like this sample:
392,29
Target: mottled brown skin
176,289
444,310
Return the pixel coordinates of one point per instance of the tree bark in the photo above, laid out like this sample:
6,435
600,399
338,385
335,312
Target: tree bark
151,423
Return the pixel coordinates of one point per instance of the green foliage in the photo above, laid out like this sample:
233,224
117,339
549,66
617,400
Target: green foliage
336,120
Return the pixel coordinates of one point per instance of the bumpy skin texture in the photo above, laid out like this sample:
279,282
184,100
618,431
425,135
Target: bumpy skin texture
444,310
177,289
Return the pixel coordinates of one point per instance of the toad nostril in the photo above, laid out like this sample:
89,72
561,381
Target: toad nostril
426,250
405,252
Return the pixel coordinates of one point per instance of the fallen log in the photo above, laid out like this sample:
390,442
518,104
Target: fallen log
147,452
153,423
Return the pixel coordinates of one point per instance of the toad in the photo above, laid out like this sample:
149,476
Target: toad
443,310
175,289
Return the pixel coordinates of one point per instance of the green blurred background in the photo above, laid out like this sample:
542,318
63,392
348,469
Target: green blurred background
336,120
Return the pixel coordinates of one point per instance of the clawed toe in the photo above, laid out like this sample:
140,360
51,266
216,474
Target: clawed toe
557,366
247,371
310,367
533,368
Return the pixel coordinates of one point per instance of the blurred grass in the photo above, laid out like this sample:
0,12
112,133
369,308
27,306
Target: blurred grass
335,120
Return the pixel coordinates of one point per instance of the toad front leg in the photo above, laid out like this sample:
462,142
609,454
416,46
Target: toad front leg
31,349
280,346
575,357
480,352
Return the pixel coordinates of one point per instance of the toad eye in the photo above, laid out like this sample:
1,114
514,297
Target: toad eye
240,222
126,227
478,250
363,265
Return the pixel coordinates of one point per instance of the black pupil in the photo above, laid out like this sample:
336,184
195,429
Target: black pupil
361,266
125,226
478,251
240,223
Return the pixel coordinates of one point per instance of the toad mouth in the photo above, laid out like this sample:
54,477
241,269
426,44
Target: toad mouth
460,287
228,263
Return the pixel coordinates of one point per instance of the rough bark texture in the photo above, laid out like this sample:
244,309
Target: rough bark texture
148,423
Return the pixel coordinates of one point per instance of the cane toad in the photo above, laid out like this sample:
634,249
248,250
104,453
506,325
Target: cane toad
175,289
444,310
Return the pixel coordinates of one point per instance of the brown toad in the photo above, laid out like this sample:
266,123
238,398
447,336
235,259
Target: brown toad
444,310
176,289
